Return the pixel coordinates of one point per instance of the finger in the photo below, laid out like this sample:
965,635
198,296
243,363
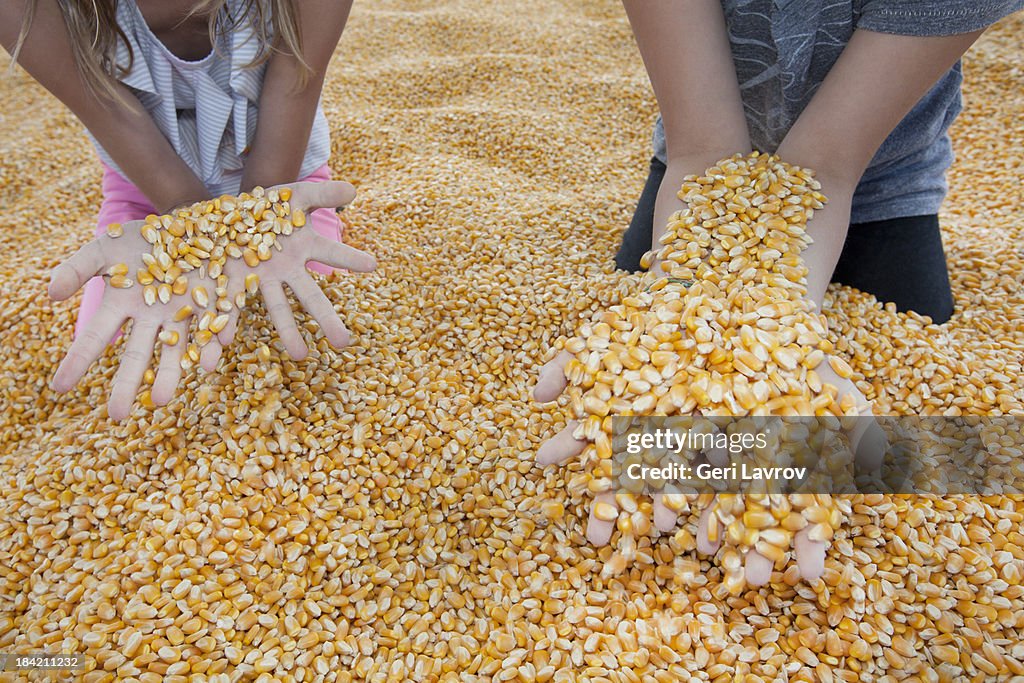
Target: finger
665,518
87,347
137,354
869,442
599,531
870,445
810,555
316,195
340,255
758,568
236,285
867,438
704,545
561,447
717,454
70,276
552,380
168,373
210,355
280,312
227,335
319,306
325,223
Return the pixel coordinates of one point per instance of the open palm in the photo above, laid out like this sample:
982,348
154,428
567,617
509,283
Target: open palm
167,321
288,267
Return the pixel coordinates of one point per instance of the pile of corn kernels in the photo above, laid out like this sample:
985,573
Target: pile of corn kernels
722,325
375,513
202,237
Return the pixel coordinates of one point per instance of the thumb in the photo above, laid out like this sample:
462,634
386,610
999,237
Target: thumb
330,194
552,380
72,274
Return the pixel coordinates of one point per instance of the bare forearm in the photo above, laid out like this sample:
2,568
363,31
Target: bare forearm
282,136
828,229
685,48
124,129
286,110
148,160
874,84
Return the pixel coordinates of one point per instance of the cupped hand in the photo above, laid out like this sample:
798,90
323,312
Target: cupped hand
565,445
288,267
866,438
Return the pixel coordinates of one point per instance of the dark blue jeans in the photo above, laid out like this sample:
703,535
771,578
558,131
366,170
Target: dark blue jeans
899,260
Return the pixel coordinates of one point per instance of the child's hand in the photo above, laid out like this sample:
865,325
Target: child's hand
98,257
288,266
867,440
171,323
727,330
564,446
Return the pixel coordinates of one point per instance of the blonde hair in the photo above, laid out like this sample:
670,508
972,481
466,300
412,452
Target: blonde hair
94,32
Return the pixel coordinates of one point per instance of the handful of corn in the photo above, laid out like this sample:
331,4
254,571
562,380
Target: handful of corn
201,238
723,327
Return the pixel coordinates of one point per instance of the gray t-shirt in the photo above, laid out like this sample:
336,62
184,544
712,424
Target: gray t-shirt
782,51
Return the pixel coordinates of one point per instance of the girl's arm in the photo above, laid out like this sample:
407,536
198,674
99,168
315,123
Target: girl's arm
127,133
685,48
285,111
875,83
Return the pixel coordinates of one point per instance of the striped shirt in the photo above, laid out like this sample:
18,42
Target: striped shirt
206,109
783,50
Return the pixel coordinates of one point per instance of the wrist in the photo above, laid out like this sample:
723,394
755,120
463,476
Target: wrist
828,230
267,173
172,207
697,159
178,206
180,200
841,169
